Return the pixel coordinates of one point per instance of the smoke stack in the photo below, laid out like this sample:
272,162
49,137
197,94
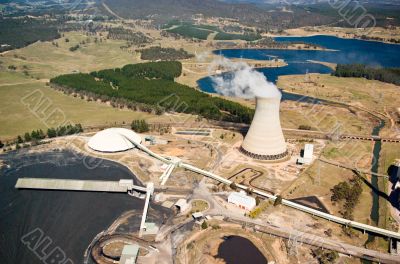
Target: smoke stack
265,140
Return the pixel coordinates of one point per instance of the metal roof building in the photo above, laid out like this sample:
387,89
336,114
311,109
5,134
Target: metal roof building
182,205
114,140
242,200
307,154
129,254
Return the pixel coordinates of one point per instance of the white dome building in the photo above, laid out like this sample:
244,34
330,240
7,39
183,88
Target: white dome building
114,140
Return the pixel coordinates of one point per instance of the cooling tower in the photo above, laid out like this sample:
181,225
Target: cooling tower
265,140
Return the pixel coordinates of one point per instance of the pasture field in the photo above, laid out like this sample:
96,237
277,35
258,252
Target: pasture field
17,118
44,60
370,94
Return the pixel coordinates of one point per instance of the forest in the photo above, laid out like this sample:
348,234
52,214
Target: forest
388,75
158,53
20,32
190,31
150,87
231,36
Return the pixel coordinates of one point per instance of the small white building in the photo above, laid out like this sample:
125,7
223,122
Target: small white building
307,154
308,151
197,215
182,205
129,254
242,200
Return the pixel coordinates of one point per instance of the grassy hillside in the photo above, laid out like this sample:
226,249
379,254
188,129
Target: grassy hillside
17,118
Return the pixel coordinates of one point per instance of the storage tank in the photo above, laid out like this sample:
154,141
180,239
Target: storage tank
264,140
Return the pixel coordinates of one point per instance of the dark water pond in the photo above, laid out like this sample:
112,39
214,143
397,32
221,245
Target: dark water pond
238,250
70,219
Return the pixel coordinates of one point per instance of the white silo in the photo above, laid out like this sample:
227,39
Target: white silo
265,140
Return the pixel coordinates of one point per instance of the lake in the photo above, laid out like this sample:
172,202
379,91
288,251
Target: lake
346,51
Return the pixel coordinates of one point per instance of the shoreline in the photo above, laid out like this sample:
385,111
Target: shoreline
331,35
261,48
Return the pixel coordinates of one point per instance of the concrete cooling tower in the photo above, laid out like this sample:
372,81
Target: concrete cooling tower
264,140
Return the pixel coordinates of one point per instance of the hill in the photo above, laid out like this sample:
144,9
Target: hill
265,16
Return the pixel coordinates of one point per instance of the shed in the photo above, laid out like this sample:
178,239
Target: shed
197,216
182,205
129,254
242,200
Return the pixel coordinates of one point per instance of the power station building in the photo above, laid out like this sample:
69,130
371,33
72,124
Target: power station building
114,140
264,140
242,200
307,155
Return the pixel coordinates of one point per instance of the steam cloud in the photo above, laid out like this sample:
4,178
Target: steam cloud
202,56
243,81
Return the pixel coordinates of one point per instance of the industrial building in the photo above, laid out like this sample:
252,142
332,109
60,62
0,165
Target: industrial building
307,154
114,140
182,205
242,200
129,254
265,140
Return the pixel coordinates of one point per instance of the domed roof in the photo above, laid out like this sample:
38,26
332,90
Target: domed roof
114,140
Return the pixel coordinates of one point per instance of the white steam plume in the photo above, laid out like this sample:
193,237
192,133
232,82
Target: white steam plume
244,81
201,56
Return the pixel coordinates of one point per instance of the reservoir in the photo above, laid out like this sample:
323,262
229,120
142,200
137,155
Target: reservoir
344,51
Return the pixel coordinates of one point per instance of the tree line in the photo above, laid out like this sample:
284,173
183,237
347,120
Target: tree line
140,126
150,87
37,135
388,75
134,37
165,54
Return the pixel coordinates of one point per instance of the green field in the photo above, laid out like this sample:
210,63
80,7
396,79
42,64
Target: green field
191,31
230,36
202,32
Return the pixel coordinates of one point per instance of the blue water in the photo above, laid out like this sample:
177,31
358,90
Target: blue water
372,53
343,51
